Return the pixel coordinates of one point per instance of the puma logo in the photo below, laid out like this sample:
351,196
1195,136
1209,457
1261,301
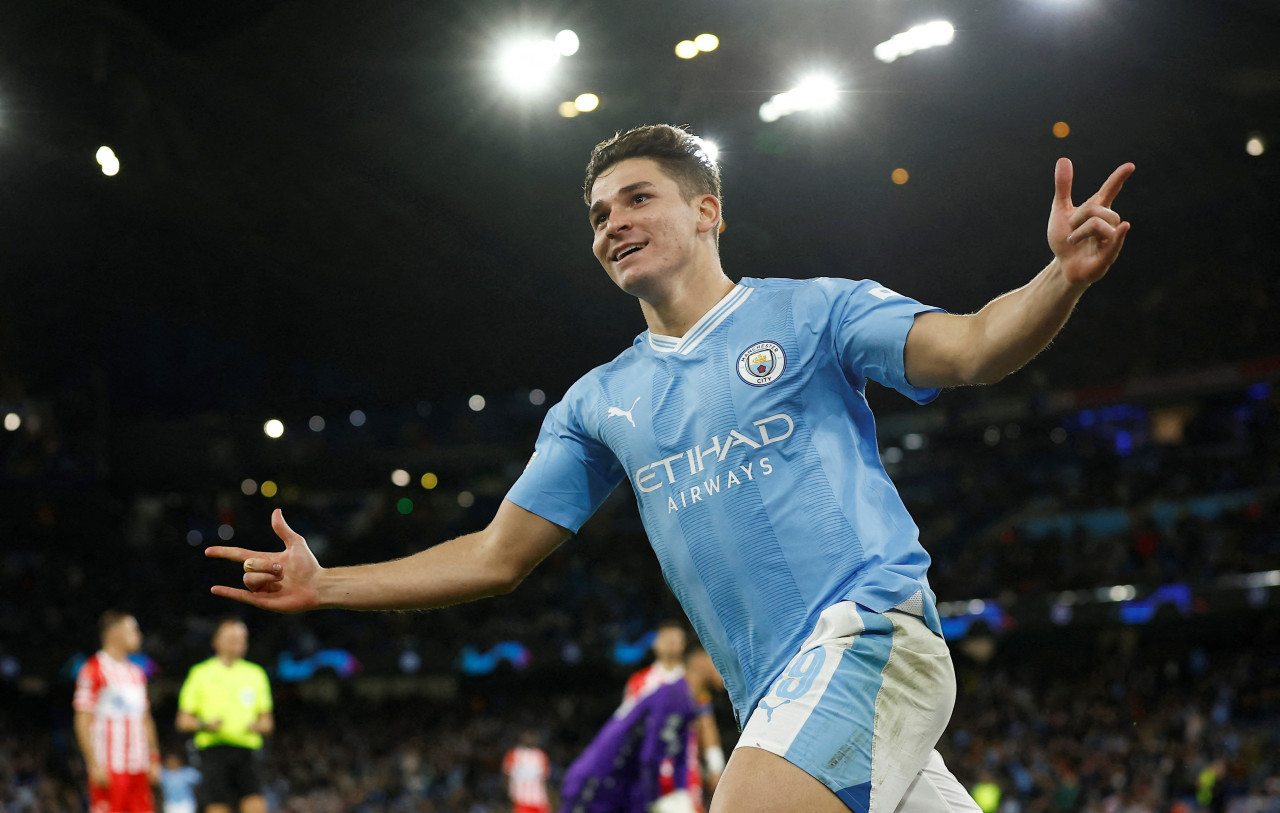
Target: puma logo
619,412
769,710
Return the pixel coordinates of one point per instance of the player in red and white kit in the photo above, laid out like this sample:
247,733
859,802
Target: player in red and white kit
669,645
113,722
527,769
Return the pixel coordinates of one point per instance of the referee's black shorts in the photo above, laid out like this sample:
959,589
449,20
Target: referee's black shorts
228,774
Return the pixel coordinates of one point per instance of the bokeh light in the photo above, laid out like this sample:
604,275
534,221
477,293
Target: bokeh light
316,424
430,481
537,397
1255,146
404,505
567,109
273,428
466,499
686,49
269,489
476,402
706,42
12,421
586,102
400,477
1061,129
108,160
248,487
567,43
356,417
900,176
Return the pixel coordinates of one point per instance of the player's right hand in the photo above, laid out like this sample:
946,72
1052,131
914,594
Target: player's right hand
284,582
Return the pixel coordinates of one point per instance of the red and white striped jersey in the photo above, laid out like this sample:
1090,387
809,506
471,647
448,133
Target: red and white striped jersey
527,771
115,692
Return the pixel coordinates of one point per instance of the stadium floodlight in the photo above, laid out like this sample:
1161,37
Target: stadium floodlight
814,93
706,42
711,149
687,49
567,43
586,102
273,428
916,38
525,65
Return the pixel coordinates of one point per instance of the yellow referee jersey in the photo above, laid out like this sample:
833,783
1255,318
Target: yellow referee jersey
235,694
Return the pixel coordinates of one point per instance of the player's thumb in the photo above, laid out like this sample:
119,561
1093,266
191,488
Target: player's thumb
287,535
1062,173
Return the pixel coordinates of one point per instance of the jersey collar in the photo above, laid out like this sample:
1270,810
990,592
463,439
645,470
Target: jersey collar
703,327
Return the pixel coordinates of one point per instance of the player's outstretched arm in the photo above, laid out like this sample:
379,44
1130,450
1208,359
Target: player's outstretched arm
944,350
477,565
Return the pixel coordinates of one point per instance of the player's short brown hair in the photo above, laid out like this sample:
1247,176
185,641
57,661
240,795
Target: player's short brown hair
682,154
109,619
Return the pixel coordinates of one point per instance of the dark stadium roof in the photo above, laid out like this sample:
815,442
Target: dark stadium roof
326,200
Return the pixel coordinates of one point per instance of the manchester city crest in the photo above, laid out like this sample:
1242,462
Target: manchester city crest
761,363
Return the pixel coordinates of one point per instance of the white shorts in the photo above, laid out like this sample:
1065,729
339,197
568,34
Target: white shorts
860,709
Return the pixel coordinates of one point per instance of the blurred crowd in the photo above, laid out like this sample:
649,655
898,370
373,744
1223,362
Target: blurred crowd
1180,714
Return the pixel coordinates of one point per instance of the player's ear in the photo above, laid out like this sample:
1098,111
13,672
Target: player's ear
708,213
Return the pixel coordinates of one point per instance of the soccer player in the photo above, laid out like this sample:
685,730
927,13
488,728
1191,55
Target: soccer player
113,723
740,421
226,702
638,762
527,769
669,646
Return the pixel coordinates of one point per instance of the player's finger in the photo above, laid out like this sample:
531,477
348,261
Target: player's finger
1112,186
1094,227
1062,172
287,535
231,554
236,594
1090,209
257,581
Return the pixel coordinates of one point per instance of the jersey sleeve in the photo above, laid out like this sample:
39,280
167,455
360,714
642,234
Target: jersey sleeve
189,695
265,704
869,324
571,472
88,685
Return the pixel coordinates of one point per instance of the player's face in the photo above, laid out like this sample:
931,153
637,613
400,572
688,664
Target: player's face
643,225
128,634
231,641
669,645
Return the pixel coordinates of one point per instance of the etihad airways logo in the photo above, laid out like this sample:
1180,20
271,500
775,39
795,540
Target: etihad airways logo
701,461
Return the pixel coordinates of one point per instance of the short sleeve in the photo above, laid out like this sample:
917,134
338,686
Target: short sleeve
265,705
189,695
869,325
88,684
571,472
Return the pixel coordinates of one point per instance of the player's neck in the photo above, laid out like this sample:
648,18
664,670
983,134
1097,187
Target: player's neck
226,661
686,301
115,652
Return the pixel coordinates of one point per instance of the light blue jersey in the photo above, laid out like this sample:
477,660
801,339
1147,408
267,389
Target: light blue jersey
752,453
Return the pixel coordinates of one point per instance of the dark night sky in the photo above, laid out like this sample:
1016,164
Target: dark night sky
326,202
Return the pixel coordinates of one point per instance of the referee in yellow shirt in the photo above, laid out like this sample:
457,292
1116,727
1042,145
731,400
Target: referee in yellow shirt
226,703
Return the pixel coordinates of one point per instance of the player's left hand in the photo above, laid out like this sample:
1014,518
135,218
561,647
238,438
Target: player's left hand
153,773
1087,238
